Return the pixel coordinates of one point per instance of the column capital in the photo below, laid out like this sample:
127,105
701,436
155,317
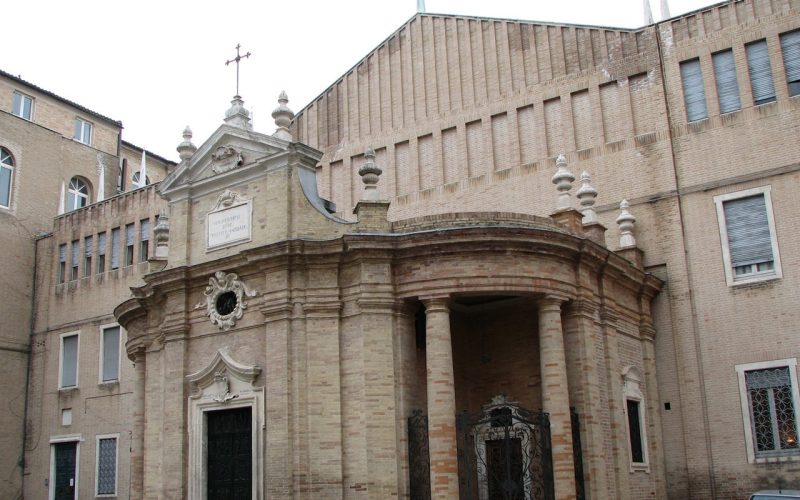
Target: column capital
551,302
647,331
436,304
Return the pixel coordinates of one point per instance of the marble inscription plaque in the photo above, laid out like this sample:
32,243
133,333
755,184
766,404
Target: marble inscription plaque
228,226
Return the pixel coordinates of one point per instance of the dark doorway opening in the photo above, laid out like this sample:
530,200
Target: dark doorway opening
65,479
229,456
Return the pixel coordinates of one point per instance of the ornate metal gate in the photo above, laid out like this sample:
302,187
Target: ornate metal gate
504,453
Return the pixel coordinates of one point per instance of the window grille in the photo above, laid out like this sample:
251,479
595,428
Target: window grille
760,72
107,466
774,421
69,361
693,92
749,237
790,46
110,354
727,85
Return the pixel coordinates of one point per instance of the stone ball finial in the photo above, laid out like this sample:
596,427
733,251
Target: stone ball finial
586,197
563,180
283,118
626,222
370,173
186,148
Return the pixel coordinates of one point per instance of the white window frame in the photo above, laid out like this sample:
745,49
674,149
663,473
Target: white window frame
790,363
631,390
83,124
76,438
23,96
12,168
730,276
103,328
61,360
97,465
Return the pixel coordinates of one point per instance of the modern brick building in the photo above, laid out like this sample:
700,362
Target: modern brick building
411,290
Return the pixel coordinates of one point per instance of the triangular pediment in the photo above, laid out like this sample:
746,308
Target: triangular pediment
228,150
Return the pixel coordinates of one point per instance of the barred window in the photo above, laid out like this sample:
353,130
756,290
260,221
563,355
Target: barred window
107,466
772,411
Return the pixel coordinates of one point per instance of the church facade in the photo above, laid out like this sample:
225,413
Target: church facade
496,259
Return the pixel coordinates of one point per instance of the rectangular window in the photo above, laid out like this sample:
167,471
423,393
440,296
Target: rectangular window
115,248
693,92
62,262
750,247
22,106
101,252
769,405
635,430
790,46
109,362
69,361
106,465
727,85
130,238
144,240
760,72
76,252
123,171
87,256
83,131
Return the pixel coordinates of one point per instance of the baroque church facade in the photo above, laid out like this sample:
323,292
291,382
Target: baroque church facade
495,259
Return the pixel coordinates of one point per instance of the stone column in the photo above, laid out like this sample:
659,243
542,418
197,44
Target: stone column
137,439
441,400
555,394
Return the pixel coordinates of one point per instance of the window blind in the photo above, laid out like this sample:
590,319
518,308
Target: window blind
115,248
693,92
111,354
130,234
760,72
101,244
727,85
75,252
62,252
144,229
749,238
69,361
790,46
87,244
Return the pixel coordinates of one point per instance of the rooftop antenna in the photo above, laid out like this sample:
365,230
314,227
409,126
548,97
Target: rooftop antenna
236,60
421,6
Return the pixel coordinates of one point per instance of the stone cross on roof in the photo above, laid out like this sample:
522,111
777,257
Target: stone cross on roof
236,60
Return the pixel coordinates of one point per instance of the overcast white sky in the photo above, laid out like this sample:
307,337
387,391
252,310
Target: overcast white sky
160,65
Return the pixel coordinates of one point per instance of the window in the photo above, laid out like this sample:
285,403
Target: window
68,375
22,106
76,251
109,355
135,180
693,92
83,131
78,195
107,465
769,398
87,256
747,230
727,85
101,252
760,72
62,262
790,46
6,174
123,171
634,411
115,248
144,239
130,238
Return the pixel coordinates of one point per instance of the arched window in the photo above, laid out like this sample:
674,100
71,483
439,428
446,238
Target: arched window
6,175
78,195
135,179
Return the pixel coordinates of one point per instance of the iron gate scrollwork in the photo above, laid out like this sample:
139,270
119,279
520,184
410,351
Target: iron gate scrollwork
504,453
419,461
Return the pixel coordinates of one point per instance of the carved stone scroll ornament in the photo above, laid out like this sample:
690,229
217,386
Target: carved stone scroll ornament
227,199
226,158
225,299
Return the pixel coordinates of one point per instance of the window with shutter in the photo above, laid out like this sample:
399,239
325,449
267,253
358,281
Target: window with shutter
727,85
760,72
790,46
69,361
74,263
144,239
747,229
115,248
101,252
62,262
87,256
109,369
130,237
693,92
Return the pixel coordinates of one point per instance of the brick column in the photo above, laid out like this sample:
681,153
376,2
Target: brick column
137,439
555,394
441,400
